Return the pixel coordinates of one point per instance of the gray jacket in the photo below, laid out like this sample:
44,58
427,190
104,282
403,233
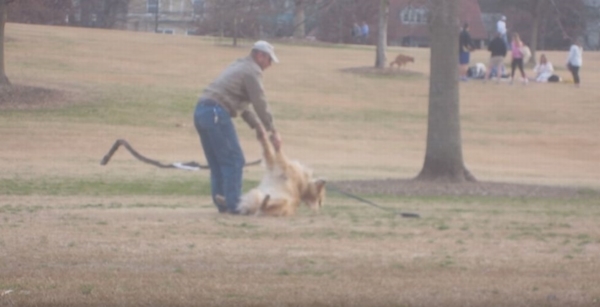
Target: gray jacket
238,87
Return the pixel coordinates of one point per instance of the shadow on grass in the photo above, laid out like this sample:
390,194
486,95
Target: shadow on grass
386,73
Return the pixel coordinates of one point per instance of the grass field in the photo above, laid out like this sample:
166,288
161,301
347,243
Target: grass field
74,233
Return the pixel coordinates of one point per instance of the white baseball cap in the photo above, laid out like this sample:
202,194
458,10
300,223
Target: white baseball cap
266,48
503,17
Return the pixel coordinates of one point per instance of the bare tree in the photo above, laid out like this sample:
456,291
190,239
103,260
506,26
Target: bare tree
114,12
335,25
305,10
299,19
233,18
39,11
443,156
384,9
3,78
538,10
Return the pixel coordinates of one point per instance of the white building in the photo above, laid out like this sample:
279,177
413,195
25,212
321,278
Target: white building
172,16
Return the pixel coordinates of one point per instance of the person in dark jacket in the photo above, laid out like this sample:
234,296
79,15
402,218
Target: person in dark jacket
465,48
498,52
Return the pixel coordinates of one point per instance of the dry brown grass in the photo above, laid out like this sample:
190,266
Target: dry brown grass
137,251
71,236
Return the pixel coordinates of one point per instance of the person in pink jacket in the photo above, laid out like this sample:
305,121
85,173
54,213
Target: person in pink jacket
517,58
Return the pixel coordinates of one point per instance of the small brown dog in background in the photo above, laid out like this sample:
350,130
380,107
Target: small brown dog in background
402,59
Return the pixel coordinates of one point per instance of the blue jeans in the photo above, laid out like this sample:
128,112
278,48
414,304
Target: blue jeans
463,57
222,151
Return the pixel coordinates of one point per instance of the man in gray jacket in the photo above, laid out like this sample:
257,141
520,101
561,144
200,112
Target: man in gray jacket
237,88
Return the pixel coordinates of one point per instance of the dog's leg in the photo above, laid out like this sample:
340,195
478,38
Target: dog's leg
277,207
250,202
272,157
268,154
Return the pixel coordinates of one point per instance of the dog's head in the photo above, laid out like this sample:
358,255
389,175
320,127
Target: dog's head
314,195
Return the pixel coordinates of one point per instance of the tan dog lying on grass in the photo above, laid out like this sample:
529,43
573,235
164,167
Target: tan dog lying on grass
401,60
284,186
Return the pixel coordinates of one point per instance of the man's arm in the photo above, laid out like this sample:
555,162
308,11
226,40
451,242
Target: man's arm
250,119
256,95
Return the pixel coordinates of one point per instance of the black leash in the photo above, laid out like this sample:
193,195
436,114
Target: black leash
196,166
192,165
403,214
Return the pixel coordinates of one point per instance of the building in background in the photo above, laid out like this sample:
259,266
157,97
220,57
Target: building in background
164,16
408,22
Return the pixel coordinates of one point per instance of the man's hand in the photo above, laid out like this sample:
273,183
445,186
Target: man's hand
275,140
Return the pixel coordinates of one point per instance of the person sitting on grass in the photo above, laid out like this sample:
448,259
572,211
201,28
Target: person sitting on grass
543,70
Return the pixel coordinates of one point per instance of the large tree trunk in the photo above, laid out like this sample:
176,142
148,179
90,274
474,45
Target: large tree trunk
443,156
299,29
3,79
380,58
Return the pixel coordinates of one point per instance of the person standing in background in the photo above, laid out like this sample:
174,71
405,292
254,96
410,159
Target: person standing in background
464,51
356,32
575,60
365,32
517,58
498,51
501,29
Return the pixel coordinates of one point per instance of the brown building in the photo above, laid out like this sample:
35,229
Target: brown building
407,23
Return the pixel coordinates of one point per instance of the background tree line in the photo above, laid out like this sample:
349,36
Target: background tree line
87,13
543,24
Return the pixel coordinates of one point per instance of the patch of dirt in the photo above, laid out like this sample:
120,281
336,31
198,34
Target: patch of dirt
31,97
386,72
408,187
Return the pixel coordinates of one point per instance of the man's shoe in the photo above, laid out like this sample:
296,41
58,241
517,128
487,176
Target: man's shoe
220,202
